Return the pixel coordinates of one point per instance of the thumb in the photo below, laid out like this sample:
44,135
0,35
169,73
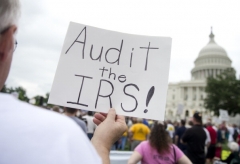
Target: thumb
111,115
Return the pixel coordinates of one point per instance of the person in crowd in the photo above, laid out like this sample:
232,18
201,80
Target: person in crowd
90,124
235,133
115,145
71,112
233,157
222,133
41,136
123,141
214,126
151,123
190,124
56,109
208,139
170,129
134,120
138,133
238,141
209,121
231,133
212,147
178,135
129,121
145,122
195,138
159,149
176,125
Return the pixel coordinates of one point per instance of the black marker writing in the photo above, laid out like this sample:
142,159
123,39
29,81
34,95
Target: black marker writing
147,54
103,69
122,78
136,102
110,74
119,50
131,57
99,57
108,95
76,40
77,103
149,97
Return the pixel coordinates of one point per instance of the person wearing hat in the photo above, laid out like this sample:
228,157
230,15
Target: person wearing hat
195,138
233,157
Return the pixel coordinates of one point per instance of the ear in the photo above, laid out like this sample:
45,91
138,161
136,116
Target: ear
7,43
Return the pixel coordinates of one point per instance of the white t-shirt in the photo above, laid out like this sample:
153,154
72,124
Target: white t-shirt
231,132
33,135
90,124
208,139
170,129
215,128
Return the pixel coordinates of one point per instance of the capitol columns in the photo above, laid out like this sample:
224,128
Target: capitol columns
206,73
197,95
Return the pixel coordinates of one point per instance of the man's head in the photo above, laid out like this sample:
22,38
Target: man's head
197,118
9,15
209,124
70,111
56,109
169,122
90,113
183,122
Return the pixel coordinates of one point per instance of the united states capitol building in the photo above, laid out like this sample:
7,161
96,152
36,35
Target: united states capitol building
186,97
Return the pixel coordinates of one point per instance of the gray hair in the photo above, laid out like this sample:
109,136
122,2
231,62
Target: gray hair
233,146
9,13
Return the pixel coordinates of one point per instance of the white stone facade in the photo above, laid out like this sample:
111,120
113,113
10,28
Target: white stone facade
186,97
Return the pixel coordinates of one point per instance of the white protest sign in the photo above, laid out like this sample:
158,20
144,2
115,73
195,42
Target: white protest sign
180,109
100,69
223,115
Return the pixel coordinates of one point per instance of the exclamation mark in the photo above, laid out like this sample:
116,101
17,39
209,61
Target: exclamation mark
149,97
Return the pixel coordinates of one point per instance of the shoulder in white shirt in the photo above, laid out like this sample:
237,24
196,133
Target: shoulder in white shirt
33,135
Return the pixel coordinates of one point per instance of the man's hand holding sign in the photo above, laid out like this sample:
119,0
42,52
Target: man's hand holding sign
100,69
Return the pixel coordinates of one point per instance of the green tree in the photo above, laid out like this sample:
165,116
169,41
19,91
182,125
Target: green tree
21,94
223,92
4,89
46,98
20,90
38,99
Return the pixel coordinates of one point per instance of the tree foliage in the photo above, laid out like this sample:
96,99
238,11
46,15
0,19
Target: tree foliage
4,89
22,95
223,92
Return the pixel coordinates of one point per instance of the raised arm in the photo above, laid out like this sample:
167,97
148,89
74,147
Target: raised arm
110,128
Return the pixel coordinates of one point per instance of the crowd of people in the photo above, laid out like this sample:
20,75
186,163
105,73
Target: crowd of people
201,143
168,142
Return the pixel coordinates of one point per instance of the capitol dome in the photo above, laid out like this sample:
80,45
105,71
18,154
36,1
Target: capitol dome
212,60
